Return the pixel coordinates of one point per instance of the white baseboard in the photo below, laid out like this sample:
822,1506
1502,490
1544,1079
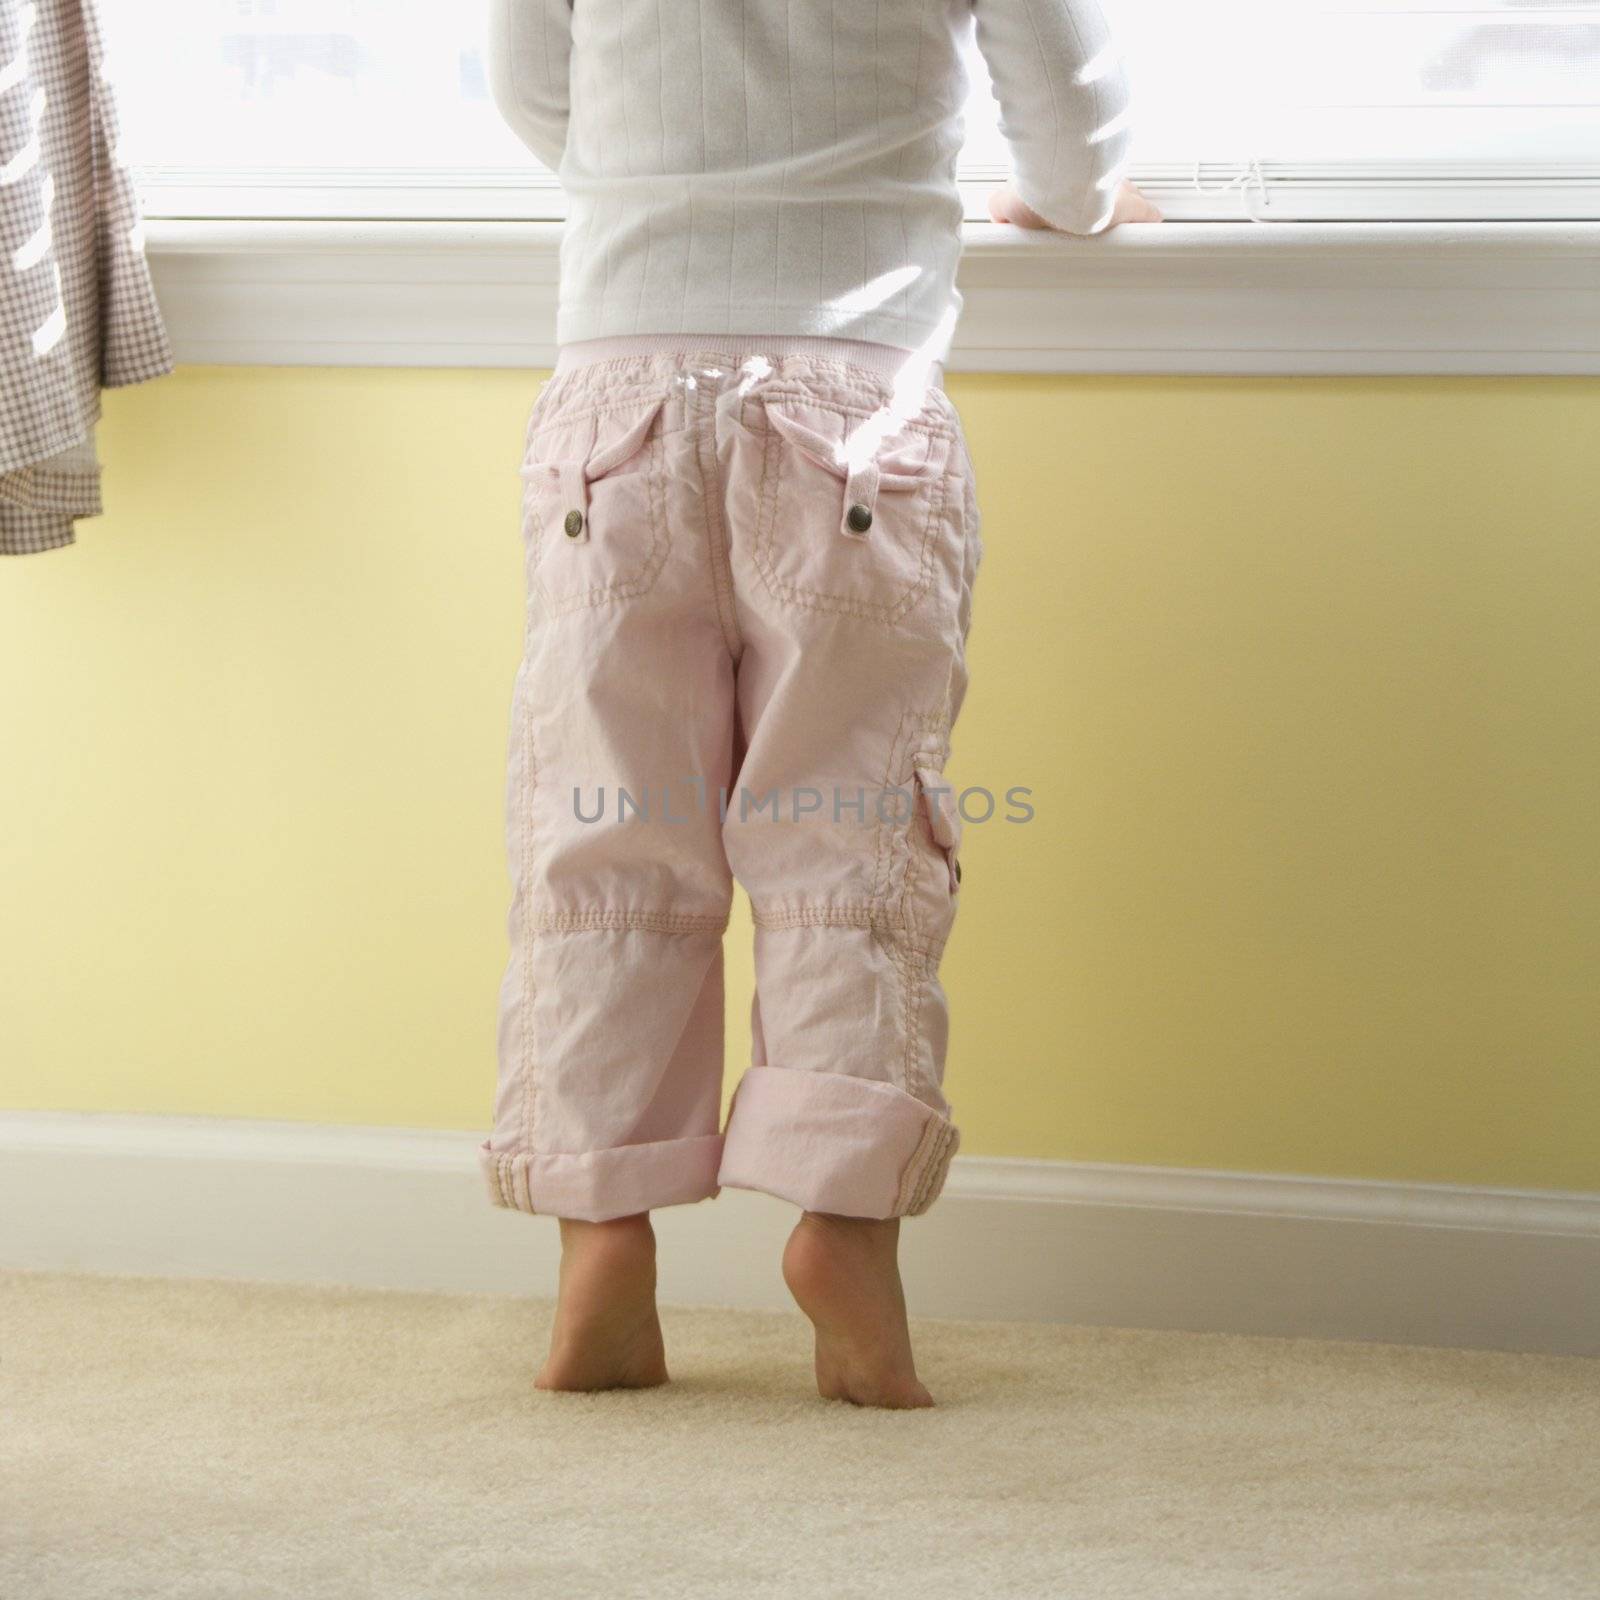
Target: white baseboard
1010,1240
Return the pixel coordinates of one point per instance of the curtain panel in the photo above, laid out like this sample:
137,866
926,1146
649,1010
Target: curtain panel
78,312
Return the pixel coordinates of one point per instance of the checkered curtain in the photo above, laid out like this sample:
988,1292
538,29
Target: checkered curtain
77,310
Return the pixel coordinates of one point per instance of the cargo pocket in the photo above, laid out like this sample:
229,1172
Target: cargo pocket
592,507
938,813
846,524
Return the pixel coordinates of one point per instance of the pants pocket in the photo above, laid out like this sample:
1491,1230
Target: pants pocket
593,512
938,816
849,524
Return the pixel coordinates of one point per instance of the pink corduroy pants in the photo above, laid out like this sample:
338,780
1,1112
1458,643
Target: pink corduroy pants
750,568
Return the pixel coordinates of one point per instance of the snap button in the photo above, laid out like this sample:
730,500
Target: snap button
858,518
573,524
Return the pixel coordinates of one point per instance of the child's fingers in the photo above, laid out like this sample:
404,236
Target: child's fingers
1133,206
1006,205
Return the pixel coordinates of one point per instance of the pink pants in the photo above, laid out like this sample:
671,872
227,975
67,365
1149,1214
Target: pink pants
750,567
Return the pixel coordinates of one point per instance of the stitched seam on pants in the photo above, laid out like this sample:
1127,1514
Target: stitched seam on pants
887,833
525,1000
900,832
914,950
932,948
937,1171
853,915
910,1178
642,921
713,513
915,979
917,860
913,963
899,959
838,914
925,1174
882,846
917,963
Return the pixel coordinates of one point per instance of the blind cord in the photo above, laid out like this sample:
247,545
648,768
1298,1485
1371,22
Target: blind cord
1248,176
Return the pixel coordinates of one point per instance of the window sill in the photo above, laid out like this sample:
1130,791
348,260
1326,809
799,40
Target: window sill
1185,297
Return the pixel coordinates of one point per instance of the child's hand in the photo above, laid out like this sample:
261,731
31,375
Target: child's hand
1006,205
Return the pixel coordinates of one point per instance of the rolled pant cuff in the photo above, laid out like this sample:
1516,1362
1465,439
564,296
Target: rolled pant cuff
601,1184
853,1147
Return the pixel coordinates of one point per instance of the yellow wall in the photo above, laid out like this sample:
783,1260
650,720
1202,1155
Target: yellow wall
1305,675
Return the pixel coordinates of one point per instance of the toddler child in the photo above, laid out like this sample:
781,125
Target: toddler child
751,539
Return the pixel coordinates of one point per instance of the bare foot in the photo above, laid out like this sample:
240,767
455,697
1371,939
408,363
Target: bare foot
606,1333
845,1275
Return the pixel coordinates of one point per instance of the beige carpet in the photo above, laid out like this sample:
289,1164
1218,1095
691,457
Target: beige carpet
215,1441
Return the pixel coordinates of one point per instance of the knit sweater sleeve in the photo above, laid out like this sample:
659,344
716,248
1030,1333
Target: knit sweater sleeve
1063,105
530,52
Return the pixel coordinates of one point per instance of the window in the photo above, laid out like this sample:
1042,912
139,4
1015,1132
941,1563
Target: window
1388,108
316,108
1268,108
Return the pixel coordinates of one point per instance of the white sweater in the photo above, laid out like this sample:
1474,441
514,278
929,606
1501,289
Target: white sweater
788,166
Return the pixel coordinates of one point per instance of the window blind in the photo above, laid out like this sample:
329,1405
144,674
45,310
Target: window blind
1243,108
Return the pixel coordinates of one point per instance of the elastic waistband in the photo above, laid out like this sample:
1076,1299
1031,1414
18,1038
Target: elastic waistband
887,360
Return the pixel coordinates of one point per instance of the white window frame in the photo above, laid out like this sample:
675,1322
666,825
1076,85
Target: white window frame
1360,266
1205,192
1181,297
